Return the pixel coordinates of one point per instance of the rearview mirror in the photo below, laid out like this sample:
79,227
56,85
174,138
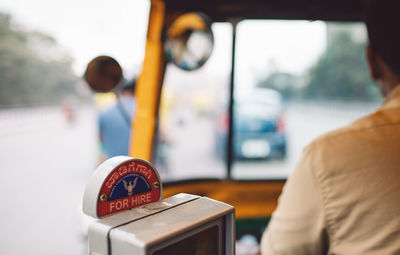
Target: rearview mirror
103,74
190,41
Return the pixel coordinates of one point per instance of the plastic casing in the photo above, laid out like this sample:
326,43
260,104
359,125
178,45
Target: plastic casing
146,229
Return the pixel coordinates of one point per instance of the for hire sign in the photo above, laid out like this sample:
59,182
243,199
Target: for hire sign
121,183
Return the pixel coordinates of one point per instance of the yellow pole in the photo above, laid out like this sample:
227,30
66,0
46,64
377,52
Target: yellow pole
148,86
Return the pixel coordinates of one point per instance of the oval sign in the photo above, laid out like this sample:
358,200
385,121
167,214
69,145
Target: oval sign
121,183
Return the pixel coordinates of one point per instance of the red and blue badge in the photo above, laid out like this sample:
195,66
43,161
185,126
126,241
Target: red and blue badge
121,183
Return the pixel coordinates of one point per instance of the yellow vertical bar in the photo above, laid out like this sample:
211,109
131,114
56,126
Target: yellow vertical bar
148,86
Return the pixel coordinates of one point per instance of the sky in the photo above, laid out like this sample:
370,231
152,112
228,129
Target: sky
286,46
90,28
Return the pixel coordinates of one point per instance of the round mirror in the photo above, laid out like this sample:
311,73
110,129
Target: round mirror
103,74
189,41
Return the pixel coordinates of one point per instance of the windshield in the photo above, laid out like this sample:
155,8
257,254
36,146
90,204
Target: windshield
318,68
294,80
189,104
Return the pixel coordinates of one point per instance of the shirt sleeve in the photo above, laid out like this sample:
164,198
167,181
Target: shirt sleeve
298,225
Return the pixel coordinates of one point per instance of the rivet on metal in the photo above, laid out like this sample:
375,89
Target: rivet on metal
103,197
156,185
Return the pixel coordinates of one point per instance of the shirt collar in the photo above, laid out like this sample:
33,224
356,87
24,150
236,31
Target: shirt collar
393,98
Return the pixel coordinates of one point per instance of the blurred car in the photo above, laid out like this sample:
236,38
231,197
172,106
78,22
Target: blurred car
259,126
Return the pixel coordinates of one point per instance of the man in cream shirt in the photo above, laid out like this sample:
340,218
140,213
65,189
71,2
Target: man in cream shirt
344,195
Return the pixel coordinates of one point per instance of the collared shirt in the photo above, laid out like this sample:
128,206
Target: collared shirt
344,195
115,128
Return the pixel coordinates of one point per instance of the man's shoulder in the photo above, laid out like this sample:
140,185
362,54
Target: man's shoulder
354,137
367,123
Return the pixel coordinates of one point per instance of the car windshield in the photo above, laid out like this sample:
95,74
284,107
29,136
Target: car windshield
258,103
259,96
256,110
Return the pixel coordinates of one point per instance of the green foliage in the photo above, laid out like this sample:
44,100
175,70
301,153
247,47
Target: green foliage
341,72
33,69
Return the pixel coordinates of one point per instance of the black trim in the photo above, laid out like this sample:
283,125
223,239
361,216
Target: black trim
167,184
229,149
225,10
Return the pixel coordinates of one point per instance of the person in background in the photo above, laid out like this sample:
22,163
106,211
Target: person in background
115,122
344,195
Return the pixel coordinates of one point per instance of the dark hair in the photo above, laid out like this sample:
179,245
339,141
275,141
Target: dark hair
382,23
129,85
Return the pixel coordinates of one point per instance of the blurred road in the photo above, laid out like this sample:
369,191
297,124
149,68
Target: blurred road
192,151
46,162
45,165
304,123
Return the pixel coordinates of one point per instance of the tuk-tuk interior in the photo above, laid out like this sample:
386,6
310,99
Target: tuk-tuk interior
280,74
180,112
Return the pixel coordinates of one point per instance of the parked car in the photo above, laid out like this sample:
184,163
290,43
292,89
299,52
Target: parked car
259,126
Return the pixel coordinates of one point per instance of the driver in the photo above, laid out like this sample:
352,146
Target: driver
344,195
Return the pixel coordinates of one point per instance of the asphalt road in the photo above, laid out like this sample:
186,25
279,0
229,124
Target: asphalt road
46,162
192,142
304,123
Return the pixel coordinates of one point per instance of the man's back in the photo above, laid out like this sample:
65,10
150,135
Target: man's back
343,197
115,128
360,183
351,204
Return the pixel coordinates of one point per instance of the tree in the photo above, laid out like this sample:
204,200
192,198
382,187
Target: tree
33,68
341,72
